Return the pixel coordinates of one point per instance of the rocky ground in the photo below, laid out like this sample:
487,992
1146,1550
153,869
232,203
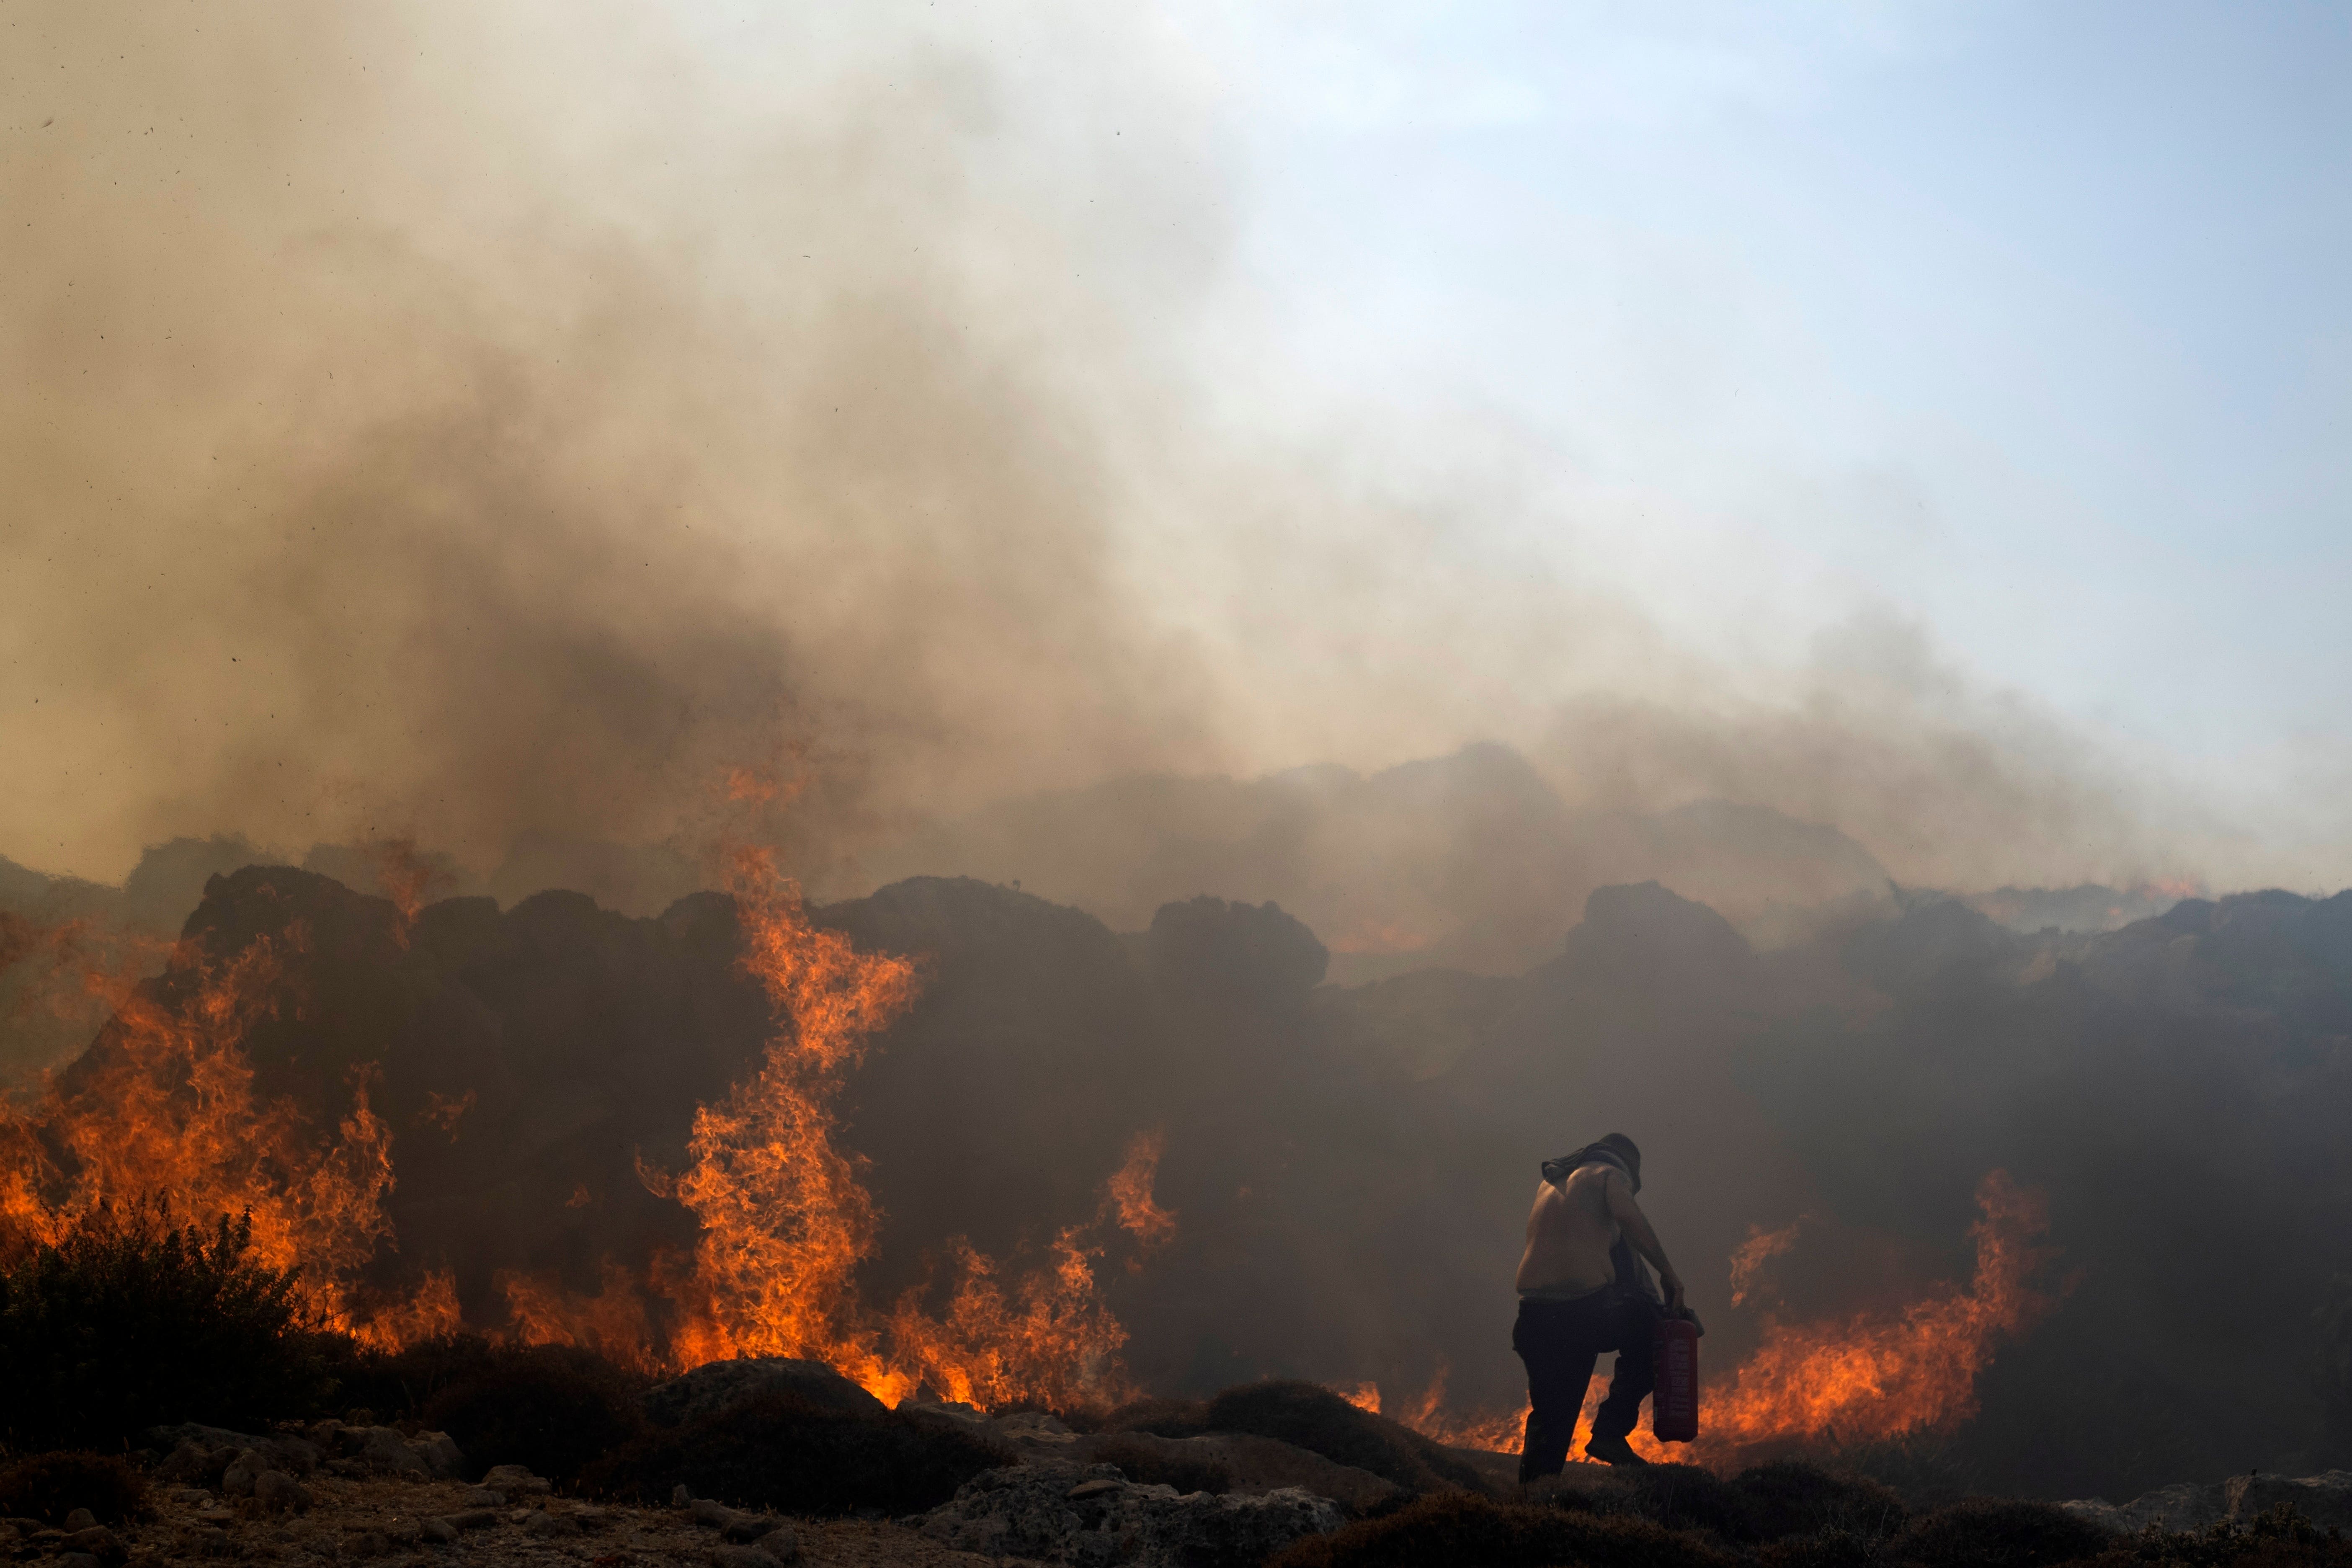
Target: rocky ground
2324,1500
332,1491
395,1519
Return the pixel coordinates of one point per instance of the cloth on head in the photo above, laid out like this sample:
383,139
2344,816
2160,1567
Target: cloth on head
1559,1169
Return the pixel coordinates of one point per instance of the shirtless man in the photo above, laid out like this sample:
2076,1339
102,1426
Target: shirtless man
1577,1299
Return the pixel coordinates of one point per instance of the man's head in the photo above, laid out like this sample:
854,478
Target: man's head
1617,1143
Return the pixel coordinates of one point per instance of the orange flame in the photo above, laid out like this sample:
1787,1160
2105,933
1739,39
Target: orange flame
407,877
168,1110
431,1309
1130,1190
785,1221
614,1321
1881,1375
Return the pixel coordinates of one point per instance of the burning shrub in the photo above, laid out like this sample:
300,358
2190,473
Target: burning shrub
1141,1463
553,1408
1312,1417
1791,1498
776,1451
128,1321
1456,1527
1999,1533
48,1486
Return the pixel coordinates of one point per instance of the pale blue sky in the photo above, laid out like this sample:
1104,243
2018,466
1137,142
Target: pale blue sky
2029,322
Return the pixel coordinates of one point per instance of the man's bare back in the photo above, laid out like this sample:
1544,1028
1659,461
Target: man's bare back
1574,1224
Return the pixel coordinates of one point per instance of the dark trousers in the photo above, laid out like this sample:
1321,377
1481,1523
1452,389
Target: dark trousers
1560,1340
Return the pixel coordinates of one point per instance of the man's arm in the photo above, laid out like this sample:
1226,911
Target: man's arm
1636,1224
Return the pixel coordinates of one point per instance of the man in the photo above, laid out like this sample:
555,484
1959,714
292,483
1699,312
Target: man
1583,1291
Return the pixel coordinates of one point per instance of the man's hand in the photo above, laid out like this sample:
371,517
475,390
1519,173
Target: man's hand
1674,1287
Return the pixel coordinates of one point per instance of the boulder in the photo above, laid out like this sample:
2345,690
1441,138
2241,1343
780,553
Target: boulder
1091,1516
716,1385
736,1524
515,1480
97,1540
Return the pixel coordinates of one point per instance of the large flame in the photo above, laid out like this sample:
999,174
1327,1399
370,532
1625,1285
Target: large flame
168,1110
1866,1377
786,1223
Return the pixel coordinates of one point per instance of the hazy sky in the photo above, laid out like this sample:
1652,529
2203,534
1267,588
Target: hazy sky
2028,322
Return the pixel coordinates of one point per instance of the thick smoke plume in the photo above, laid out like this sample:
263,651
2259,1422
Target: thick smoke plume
489,424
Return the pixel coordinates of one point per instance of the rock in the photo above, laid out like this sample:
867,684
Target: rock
404,1532
95,1540
78,1559
2324,1500
439,1451
440,1531
388,1450
1051,1512
79,1519
716,1385
483,1497
515,1480
280,1493
541,1525
473,1518
365,1543
236,1480
1036,1429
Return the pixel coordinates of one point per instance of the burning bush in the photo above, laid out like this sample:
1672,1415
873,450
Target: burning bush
554,1408
127,1320
1312,1417
1456,1527
48,1486
776,1451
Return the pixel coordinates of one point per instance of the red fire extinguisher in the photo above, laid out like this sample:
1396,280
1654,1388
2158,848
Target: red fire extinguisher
1673,1403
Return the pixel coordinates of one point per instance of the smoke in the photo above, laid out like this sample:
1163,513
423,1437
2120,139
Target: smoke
489,425
434,421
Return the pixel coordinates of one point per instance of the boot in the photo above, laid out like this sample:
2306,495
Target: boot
1611,1449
